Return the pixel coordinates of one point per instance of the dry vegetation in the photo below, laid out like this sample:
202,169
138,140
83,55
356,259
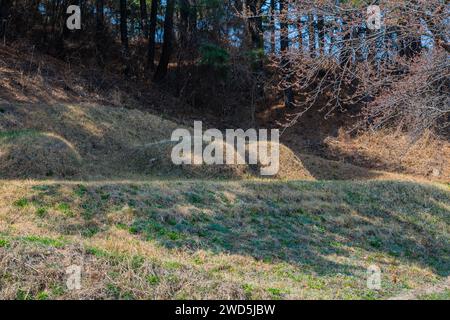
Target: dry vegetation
94,142
393,151
43,94
82,183
226,240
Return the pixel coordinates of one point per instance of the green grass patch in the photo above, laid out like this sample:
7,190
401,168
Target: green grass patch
14,134
4,243
65,209
118,293
98,252
248,290
314,238
41,212
80,190
153,279
21,203
275,293
43,295
57,243
90,231
444,295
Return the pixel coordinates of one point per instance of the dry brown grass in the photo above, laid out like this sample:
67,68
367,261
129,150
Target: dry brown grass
137,237
28,76
392,151
38,155
101,139
93,142
89,141
67,101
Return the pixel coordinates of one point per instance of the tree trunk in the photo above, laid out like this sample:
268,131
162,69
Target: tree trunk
161,71
185,8
285,64
100,8
361,40
284,39
99,32
311,36
124,35
4,12
193,17
187,29
300,33
321,33
255,23
345,49
61,32
272,26
152,34
144,18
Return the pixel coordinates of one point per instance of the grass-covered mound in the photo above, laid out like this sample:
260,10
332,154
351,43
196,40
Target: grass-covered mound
96,142
30,154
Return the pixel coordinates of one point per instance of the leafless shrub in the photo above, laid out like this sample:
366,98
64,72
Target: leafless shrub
397,74
418,101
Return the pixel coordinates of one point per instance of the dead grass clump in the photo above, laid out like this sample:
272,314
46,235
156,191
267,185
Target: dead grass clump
291,167
37,155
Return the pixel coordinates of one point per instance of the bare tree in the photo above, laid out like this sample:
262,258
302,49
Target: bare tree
364,67
124,35
4,12
144,17
151,34
417,101
167,48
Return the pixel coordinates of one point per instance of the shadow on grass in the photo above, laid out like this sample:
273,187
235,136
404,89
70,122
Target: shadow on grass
108,143
312,225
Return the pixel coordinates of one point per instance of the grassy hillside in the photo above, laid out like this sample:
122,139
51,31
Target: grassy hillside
94,186
94,142
198,239
86,176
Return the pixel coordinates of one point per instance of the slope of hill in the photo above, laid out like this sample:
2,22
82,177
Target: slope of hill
226,240
31,81
136,236
88,141
89,184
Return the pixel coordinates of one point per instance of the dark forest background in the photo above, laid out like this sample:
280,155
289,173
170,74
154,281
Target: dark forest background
241,58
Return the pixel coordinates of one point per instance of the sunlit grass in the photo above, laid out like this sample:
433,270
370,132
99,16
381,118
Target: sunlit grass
253,239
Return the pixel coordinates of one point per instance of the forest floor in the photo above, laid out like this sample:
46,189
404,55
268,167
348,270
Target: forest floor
86,183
